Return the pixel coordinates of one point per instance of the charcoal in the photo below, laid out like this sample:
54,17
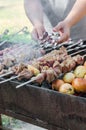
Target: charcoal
45,84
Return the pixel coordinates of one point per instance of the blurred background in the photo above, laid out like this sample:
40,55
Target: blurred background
13,18
12,15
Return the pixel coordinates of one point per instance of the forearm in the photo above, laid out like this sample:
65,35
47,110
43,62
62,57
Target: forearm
34,11
77,13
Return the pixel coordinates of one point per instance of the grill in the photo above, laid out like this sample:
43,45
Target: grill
42,106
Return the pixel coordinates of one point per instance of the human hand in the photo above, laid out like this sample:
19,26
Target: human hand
38,31
64,31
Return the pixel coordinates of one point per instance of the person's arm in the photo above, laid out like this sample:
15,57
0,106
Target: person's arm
34,11
76,14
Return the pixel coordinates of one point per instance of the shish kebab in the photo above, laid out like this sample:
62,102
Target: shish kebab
45,39
48,68
10,59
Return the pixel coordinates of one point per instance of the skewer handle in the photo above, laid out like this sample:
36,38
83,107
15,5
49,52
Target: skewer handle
4,81
5,74
21,85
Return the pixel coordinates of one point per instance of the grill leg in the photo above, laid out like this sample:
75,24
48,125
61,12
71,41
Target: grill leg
0,123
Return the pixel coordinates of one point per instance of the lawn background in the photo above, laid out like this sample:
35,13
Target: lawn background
13,17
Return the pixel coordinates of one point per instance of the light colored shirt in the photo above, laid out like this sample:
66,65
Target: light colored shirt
57,10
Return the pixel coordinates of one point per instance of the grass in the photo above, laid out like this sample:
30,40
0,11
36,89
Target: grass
13,17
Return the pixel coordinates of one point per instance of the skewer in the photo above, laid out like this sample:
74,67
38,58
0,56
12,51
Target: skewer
30,81
74,49
5,74
79,43
85,55
4,33
22,30
78,52
1,43
4,81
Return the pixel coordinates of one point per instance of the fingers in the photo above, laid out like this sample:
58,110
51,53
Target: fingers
63,37
34,34
63,30
38,32
58,27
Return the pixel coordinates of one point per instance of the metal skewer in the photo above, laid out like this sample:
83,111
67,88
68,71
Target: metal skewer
80,46
4,81
30,81
5,74
4,33
84,50
14,34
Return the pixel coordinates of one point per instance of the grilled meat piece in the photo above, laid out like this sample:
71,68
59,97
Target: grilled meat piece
8,62
68,65
78,59
3,71
57,71
55,54
39,78
50,76
1,67
19,68
25,74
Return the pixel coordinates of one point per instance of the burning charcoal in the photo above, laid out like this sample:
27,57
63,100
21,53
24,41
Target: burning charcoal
45,84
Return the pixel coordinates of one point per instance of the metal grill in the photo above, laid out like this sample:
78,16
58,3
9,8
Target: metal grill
72,49
41,106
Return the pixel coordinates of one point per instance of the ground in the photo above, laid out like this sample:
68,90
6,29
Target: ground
14,124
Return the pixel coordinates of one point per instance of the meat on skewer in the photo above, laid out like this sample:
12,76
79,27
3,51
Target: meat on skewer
51,73
49,66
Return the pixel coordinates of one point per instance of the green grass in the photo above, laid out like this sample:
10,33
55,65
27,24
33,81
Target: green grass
13,17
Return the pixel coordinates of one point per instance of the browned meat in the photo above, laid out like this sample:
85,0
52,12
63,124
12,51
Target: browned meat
68,65
39,78
55,54
8,62
1,67
78,59
3,71
19,68
25,74
57,71
56,63
50,76
35,64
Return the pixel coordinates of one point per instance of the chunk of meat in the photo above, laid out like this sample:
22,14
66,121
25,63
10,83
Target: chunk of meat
25,74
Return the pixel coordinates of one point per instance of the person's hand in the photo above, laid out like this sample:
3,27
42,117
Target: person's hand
64,30
38,31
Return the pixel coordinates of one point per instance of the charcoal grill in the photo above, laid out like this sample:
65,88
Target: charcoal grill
44,107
